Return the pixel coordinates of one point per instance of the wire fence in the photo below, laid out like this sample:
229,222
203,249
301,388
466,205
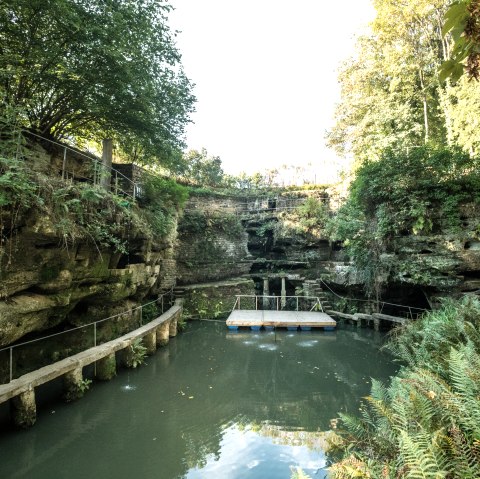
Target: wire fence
384,307
262,205
21,358
94,171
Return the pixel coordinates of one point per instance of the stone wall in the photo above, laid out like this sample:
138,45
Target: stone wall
212,244
215,300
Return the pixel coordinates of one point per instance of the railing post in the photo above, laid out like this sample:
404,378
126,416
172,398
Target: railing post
256,303
162,303
277,303
94,334
239,302
64,162
410,311
297,303
11,364
116,182
141,315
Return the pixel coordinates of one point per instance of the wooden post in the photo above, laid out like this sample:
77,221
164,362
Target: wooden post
24,409
107,155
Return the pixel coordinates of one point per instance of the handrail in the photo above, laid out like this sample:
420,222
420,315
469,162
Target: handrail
273,296
372,300
280,301
97,163
94,324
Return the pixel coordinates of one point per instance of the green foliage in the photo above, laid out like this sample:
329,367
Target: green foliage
267,227
75,212
137,353
181,324
210,223
161,200
94,69
410,192
201,169
312,214
297,473
390,92
426,422
461,22
16,187
150,312
77,390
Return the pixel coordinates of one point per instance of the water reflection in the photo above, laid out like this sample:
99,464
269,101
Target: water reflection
211,404
269,450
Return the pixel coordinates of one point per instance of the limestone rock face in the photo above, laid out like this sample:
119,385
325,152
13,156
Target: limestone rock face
46,280
443,263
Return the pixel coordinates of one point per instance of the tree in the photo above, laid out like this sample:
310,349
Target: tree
203,169
390,89
462,23
96,68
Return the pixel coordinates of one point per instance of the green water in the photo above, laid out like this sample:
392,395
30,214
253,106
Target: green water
212,404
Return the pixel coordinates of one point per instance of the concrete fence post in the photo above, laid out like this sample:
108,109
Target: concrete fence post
24,409
107,157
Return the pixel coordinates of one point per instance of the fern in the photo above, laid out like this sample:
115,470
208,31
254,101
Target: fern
422,456
426,422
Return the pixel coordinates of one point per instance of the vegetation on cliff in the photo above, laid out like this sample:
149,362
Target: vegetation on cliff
426,422
77,211
417,192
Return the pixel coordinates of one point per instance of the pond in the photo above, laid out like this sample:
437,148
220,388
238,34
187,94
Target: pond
211,404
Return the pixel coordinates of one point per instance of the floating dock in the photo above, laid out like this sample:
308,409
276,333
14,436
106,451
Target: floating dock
292,320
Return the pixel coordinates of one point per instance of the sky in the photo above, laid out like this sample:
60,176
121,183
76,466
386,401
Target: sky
265,74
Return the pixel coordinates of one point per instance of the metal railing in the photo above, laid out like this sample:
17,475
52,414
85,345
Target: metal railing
277,303
410,312
98,170
48,353
262,206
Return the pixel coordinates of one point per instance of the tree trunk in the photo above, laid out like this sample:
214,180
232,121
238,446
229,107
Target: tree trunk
425,106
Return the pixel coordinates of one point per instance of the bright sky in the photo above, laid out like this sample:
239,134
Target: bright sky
265,75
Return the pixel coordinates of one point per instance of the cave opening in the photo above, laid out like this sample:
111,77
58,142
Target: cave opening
128,259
